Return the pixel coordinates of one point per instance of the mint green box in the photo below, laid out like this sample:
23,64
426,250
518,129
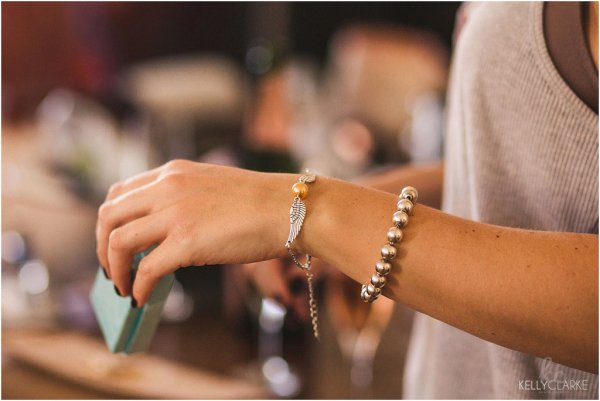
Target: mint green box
127,329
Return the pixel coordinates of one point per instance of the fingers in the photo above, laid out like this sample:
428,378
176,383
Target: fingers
119,211
130,239
132,183
104,227
147,177
269,278
160,262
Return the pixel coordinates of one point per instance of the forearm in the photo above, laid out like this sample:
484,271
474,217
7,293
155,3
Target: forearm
428,177
527,290
531,291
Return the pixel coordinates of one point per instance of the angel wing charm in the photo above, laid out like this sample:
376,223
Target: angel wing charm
297,214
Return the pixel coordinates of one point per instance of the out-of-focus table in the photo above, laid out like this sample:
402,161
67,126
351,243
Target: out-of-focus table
68,364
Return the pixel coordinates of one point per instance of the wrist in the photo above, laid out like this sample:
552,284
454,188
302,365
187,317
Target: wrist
297,216
275,216
343,220
275,205
320,207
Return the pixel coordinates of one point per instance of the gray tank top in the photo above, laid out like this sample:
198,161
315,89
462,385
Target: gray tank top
521,151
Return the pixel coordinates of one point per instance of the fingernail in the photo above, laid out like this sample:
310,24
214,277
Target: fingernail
297,286
133,302
117,290
105,273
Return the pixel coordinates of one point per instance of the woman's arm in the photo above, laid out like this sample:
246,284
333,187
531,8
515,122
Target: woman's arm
531,291
429,178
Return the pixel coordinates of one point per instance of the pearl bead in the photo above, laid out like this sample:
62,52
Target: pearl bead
400,219
388,252
300,190
405,205
394,235
382,267
410,193
377,280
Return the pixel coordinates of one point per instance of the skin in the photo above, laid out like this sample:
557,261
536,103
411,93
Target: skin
272,277
516,288
531,291
429,175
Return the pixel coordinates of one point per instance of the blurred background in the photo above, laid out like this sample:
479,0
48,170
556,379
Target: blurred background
93,93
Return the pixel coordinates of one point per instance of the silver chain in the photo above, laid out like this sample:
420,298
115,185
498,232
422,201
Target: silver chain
312,303
303,266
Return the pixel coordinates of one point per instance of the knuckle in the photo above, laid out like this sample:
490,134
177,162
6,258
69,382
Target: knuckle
115,188
145,271
116,240
173,182
177,164
104,211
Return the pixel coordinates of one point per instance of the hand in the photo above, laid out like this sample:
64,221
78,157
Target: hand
283,281
271,278
200,214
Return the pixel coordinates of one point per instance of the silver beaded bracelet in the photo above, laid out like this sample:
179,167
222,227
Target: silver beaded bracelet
370,292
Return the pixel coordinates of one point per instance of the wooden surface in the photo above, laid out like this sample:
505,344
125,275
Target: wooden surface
85,361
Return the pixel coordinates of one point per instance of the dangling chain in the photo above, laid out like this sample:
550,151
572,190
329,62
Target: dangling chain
312,303
303,266
297,214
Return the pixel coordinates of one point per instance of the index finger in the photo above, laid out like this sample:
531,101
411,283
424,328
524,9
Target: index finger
163,260
132,183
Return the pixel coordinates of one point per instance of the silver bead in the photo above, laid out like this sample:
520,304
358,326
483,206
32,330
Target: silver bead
382,267
400,219
364,295
373,291
372,297
388,252
377,280
394,235
410,193
405,205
